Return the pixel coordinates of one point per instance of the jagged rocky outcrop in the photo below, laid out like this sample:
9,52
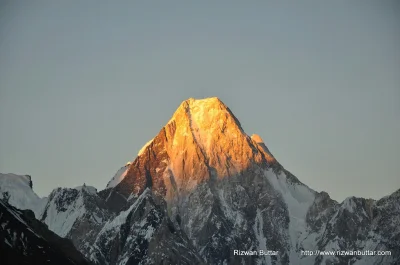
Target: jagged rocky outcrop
202,189
78,214
143,234
24,240
140,233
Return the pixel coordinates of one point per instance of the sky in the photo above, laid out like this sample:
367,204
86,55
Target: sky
85,84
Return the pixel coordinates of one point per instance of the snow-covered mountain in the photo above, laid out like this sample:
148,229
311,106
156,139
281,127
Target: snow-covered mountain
143,234
77,214
202,191
226,192
24,240
17,189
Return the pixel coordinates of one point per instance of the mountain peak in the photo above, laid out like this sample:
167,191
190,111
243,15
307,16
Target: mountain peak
205,119
202,101
205,111
18,190
202,140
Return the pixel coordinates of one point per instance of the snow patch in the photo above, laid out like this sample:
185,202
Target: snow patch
298,199
118,177
61,221
149,232
349,204
20,193
262,240
144,147
121,218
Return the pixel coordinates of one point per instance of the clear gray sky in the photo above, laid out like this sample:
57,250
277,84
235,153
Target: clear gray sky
84,84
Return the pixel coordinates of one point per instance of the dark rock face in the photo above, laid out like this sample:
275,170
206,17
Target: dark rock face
77,214
357,224
143,234
234,214
25,240
321,211
113,199
30,181
139,233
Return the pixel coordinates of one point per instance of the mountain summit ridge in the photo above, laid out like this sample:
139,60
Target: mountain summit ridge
202,140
